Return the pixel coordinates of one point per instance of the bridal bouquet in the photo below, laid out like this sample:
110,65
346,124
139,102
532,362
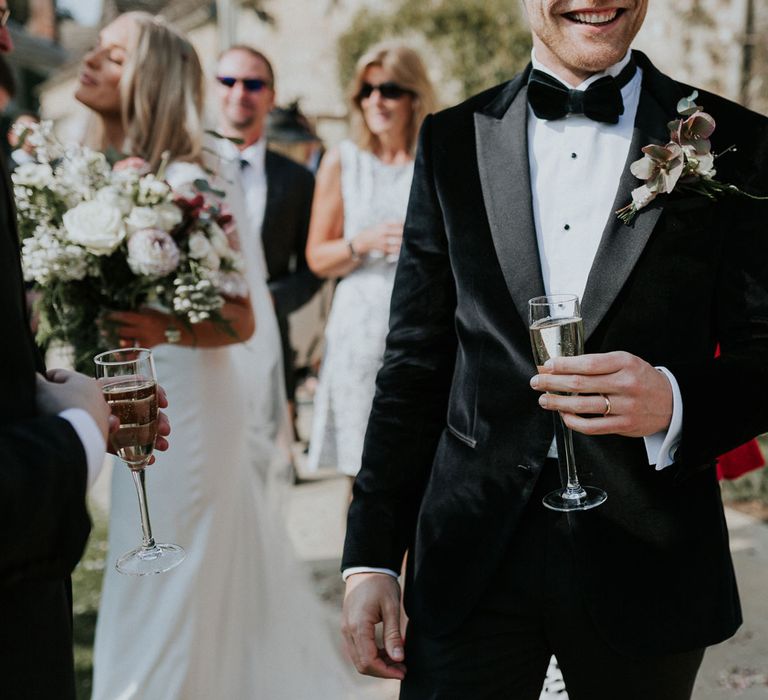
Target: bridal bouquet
97,237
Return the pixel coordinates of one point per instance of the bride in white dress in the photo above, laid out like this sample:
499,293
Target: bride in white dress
236,619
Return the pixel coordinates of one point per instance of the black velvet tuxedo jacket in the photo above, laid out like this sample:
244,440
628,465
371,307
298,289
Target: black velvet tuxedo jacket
284,233
456,438
42,500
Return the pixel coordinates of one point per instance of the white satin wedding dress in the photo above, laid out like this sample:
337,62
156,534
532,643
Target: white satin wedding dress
237,620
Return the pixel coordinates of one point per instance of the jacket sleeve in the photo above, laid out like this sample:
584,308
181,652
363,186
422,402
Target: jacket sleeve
290,292
724,397
42,490
412,387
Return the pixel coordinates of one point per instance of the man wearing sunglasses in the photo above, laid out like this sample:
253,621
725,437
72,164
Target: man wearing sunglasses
278,191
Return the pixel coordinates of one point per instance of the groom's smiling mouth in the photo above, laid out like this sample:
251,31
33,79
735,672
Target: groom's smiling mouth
594,18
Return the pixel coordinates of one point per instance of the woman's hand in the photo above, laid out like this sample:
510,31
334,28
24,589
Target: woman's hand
147,328
385,238
144,329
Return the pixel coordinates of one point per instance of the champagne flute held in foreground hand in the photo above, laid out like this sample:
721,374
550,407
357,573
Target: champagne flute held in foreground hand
557,331
130,388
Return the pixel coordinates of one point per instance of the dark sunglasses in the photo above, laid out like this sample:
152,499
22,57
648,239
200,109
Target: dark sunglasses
389,91
5,15
250,84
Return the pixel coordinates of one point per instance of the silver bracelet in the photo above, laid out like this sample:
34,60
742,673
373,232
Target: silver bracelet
355,255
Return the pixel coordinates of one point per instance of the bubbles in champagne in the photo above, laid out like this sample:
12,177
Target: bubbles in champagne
556,337
134,402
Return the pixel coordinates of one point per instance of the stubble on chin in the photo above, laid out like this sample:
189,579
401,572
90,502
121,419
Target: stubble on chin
240,123
594,58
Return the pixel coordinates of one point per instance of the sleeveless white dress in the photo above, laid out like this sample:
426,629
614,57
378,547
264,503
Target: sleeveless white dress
237,618
373,193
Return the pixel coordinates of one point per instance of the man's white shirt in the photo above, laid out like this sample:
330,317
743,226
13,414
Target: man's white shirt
90,436
253,184
576,165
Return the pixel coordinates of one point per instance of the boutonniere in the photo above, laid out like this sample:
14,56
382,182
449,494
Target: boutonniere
685,164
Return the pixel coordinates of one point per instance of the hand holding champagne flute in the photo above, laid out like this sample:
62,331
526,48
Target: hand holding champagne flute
557,331
130,388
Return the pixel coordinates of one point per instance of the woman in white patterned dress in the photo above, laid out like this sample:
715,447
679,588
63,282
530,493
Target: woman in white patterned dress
361,195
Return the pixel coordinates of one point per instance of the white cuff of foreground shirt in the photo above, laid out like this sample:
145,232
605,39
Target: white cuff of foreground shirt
90,435
365,570
661,446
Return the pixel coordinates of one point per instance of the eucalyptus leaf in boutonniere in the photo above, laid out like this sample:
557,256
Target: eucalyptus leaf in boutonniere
685,164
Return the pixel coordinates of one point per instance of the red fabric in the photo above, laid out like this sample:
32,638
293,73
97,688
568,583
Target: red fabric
740,461
743,459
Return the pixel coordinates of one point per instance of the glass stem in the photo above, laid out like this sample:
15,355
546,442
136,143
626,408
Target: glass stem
573,487
147,541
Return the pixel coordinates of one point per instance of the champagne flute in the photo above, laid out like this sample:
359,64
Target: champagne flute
557,331
130,388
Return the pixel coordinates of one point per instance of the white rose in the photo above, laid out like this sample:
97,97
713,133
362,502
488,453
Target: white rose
142,217
199,246
152,252
152,190
170,216
114,197
212,261
33,174
219,241
96,226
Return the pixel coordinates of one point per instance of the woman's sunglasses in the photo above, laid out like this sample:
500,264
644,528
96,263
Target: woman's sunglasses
389,91
250,84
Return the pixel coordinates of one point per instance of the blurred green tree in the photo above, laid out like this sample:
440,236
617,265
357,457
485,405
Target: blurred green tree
479,42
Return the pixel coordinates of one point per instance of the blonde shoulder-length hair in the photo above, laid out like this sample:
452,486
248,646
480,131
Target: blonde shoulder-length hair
408,71
161,93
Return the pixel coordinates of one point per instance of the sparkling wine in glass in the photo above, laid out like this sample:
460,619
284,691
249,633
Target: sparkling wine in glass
130,388
557,331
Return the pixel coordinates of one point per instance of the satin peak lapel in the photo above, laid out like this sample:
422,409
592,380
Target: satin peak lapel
502,157
621,245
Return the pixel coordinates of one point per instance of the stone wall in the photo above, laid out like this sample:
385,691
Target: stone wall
697,41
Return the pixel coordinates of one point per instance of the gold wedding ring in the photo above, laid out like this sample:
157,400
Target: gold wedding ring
607,405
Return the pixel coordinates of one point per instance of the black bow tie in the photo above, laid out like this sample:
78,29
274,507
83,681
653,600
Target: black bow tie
601,101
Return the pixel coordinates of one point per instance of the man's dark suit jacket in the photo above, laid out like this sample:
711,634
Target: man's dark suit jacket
42,496
456,439
292,284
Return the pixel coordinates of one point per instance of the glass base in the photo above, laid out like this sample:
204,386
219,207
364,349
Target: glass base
562,500
152,560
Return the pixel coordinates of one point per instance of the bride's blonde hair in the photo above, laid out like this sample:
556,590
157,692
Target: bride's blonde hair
161,93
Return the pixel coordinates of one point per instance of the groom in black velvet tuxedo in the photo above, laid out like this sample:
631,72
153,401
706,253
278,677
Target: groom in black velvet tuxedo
514,196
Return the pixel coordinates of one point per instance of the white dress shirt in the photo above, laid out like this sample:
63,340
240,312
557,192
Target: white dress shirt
253,178
90,435
575,166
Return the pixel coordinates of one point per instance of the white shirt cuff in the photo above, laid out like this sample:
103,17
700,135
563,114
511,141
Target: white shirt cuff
91,437
661,446
365,570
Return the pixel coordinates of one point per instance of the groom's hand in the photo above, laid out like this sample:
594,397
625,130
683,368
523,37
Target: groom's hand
639,395
370,599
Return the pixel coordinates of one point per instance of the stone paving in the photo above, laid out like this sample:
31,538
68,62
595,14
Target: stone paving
737,668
